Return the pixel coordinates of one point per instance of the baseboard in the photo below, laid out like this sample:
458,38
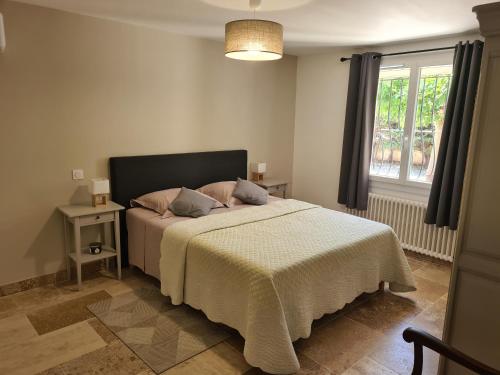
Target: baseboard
58,277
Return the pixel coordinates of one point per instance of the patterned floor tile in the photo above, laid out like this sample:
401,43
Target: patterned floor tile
64,314
7,304
52,371
307,365
384,311
115,358
102,330
41,353
367,366
221,359
37,297
131,284
432,319
339,344
415,264
14,330
426,294
439,273
147,372
396,354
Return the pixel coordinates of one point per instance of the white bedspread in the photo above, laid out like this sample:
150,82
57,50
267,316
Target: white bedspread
269,271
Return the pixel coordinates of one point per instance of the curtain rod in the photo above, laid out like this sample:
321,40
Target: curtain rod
342,59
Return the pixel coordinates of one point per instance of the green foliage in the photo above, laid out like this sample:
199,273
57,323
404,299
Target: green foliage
431,106
392,102
432,95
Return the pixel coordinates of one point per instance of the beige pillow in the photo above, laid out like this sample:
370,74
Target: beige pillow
222,192
157,201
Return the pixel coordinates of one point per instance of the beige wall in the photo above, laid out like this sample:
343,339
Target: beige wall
319,122
75,90
319,125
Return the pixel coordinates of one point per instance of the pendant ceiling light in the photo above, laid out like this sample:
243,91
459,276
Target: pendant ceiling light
254,40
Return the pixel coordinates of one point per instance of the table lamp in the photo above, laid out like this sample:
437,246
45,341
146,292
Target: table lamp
99,188
258,169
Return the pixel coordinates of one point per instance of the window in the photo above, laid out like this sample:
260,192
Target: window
388,135
433,88
411,102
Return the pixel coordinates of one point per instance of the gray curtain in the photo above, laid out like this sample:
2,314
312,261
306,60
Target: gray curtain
358,130
446,192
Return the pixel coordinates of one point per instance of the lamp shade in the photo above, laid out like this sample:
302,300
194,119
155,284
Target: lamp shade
99,186
258,167
254,40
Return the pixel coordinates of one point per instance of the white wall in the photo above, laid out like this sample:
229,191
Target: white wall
75,90
322,82
319,125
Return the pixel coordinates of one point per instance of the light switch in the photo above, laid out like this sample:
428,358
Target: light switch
77,174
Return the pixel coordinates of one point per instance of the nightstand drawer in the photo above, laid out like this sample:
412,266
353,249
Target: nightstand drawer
97,218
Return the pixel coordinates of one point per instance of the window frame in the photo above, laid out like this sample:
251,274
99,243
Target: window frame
403,186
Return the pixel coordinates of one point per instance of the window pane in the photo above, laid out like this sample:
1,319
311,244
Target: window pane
433,87
390,112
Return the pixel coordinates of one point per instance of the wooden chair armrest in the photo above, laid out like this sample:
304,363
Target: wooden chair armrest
420,339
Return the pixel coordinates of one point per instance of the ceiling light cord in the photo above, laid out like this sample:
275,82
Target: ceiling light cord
254,5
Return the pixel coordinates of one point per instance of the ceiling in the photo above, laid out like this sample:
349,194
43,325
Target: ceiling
309,25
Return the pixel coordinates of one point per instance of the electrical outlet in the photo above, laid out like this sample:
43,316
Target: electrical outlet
77,174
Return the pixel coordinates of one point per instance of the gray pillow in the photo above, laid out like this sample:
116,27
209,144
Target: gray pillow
250,193
191,203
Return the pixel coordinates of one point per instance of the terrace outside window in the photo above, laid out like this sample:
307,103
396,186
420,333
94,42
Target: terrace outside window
409,117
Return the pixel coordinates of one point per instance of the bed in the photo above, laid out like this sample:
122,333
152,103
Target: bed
266,271
145,231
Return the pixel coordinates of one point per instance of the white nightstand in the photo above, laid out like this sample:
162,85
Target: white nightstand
80,216
273,186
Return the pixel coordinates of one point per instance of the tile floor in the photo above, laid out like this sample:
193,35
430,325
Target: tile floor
364,338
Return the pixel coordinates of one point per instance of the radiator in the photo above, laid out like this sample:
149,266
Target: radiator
407,219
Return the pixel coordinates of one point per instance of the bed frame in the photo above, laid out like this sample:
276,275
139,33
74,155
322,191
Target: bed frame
133,176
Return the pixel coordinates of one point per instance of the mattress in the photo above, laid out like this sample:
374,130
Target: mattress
145,230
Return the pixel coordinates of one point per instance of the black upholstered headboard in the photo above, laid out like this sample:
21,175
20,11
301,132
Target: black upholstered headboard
133,176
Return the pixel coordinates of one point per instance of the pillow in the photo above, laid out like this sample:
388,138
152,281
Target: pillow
157,201
222,192
160,200
250,193
192,203
168,213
